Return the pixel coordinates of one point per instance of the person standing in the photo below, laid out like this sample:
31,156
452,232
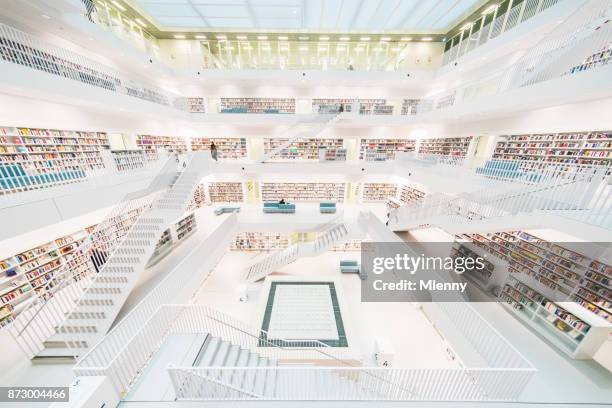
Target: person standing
213,150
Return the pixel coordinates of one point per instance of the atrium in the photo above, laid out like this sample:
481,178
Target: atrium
305,203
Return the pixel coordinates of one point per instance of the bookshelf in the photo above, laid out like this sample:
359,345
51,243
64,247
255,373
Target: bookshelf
383,149
332,105
196,105
602,57
332,154
304,192
489,278
226,192
573,148
227,148
378,192
451,146
199,198
259,241
409,106
410,195
375,107
301,149
349,245
48,154
25,276
566,325
257,105
180,230
154,143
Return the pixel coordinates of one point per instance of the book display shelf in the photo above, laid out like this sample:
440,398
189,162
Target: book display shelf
154,143
601,57
378,192
173,236
573,148
349,245
301,149
49,155
383,149
304,192
452,146
257,105
28,274
226,192
260,241
227,148
410,195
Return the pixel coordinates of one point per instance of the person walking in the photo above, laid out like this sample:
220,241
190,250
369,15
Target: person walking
213,151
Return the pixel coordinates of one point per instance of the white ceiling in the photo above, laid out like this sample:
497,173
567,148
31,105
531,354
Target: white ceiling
316,15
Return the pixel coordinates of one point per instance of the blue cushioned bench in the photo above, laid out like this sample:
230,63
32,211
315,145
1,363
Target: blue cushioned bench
327,208
223,210
352,267
279,208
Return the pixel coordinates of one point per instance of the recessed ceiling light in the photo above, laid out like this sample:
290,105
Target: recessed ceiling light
46,17
324,38
140,22
283,38
364,39
345,38
247,47
221,37
262,37
303,38
179,36
406,38
303,48
200,37
118,5
426,39
395,49
265,47
385,39
241,37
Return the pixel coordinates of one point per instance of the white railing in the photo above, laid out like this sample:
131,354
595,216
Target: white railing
583,36
578,193
127,349
25,49
502,23
40,319
353,383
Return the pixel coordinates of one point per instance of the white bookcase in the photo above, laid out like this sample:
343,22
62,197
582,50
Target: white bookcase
384,149
154,143
226,192
450,146
495,272
260,241
410,195
227,148
257,105
378,192
303,192
180,230
301,149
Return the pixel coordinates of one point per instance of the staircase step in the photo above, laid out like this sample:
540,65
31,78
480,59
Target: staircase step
260,377
207,357
249,378
221,355
270,387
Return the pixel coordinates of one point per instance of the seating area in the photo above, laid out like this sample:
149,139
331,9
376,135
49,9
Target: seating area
352,267
327,208
269,208
223,210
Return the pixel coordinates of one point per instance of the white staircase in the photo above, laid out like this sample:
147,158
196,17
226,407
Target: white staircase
331,236
583,197
94,311
323,122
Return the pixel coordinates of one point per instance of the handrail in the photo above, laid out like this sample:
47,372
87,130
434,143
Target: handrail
90,247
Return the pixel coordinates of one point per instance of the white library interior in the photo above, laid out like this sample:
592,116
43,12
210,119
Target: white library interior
192,193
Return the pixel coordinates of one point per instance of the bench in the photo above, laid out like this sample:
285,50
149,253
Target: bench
223,210
278,208
352,267
327,208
